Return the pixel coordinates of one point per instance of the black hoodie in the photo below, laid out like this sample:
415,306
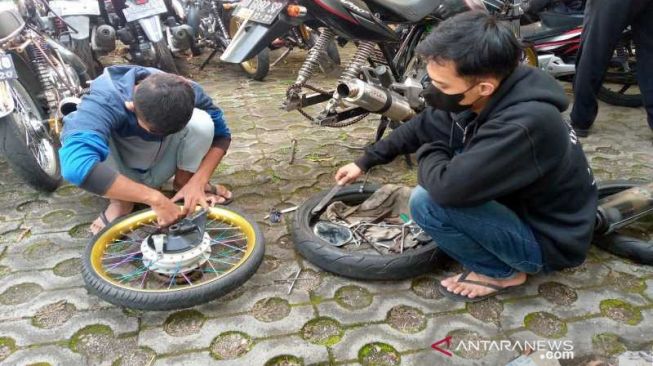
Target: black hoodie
517,151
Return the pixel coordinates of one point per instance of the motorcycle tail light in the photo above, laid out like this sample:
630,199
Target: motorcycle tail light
296,11
141,2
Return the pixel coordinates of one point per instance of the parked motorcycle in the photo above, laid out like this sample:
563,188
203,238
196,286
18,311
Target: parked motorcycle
138,24
557,44
212,25
384,76
40,82
73,21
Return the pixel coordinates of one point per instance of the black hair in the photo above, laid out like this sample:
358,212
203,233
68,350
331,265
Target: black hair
476,43
164,102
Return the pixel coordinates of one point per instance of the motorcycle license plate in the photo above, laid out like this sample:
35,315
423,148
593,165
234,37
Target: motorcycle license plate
144,10
260,11
65,8
7,69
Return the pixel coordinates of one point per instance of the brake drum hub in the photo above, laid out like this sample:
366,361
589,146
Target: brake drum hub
178,262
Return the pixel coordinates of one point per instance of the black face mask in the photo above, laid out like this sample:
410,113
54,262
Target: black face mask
435,98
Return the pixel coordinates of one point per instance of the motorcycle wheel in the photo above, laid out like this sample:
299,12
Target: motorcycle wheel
257,67
82,48
618,80
356,264
113,267
636,249
619,98
31,153
164,58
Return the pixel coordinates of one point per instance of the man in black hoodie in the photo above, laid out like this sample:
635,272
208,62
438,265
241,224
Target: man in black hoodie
504,186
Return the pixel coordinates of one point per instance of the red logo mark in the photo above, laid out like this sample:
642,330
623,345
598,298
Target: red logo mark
446,340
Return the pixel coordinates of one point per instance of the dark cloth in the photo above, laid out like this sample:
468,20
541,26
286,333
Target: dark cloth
518,151
604,23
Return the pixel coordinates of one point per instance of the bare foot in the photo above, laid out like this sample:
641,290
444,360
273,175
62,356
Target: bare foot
115,209
471,290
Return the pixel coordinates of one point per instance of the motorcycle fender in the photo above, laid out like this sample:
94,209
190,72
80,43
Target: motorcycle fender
152,28
6,100
178,9
81,23
252,40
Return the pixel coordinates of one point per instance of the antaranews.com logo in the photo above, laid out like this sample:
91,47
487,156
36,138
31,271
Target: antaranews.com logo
548,349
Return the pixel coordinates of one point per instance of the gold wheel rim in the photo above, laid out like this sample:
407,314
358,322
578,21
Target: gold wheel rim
530,57
250,66
219,219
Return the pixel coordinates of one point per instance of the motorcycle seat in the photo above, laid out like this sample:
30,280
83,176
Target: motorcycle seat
556,20
412,10
545,33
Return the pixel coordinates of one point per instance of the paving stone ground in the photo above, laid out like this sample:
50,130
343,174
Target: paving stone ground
604,306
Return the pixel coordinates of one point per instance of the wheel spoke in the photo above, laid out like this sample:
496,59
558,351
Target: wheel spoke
624,88
123,261
227,245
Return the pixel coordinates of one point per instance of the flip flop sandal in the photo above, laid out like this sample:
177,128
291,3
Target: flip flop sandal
214,191
462,298
104,219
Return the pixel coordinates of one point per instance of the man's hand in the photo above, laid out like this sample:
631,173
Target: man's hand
348,173
167,212
193,194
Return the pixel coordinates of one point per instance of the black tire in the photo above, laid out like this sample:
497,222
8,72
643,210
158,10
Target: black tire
618,99
180,299
262,66
350,264
82,48
18,154
332,51
332,48
165,61
635,249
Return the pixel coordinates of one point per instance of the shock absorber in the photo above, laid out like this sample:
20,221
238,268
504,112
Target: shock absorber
364,51
42,71
217,12
59,25
311,63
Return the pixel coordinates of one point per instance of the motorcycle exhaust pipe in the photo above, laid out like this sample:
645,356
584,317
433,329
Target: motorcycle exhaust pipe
68,105
621,209
375,99
182,37
103,38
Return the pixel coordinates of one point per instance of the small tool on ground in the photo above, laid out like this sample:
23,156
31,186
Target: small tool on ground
320,206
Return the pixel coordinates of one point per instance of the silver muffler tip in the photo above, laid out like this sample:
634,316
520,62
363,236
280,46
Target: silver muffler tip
375,99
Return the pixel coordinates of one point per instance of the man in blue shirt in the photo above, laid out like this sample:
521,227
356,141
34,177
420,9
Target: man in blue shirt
136,129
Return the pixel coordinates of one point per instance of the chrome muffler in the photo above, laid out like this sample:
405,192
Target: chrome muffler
555,66
68,105
375,99
619,210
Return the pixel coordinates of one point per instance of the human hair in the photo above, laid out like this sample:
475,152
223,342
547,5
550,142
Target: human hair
164,102
476,43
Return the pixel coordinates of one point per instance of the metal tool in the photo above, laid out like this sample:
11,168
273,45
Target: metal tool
320,206
293,148
284,211
294,280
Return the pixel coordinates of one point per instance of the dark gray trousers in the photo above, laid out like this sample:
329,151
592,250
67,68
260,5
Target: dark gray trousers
604,23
